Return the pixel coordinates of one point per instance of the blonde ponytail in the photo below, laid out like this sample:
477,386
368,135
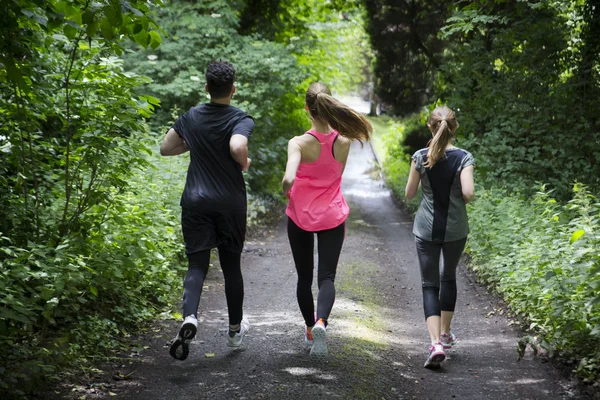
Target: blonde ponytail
444,123
322,106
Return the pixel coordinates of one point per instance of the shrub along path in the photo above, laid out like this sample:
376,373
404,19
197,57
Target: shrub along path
377,336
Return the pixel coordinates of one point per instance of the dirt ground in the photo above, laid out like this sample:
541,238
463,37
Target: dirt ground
377,337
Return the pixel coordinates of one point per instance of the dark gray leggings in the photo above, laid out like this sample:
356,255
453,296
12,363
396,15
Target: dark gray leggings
234,283
439,279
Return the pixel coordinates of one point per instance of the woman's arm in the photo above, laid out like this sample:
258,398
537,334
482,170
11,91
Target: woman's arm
173,144
466,182
412,186
293,162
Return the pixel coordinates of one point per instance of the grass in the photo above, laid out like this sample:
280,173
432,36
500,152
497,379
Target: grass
381,127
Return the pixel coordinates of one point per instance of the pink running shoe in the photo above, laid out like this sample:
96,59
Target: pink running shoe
448,340
436,356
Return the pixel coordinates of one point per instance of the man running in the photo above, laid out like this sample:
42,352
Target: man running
213,202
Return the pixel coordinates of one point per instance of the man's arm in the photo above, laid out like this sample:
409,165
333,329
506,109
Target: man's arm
173,144
238,147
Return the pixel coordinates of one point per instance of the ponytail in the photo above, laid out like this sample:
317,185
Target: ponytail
444,123
348,122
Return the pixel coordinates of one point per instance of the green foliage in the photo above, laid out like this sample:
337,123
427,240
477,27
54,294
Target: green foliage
408,51
80,298
522,76
513,72
81,255
327,38
543,258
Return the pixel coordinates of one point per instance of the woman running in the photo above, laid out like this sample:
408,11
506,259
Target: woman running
441,226
312,180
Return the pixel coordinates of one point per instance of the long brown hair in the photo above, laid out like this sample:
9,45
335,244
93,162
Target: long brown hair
443,122
324,107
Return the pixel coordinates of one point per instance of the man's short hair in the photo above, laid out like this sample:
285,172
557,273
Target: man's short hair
219,79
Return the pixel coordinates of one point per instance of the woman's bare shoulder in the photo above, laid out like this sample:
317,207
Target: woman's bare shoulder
344,141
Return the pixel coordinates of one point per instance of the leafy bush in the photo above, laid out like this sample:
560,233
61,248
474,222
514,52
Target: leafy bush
544,259
78,299
87,246
524,83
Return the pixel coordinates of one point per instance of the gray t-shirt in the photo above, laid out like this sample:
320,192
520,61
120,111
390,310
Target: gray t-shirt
442,214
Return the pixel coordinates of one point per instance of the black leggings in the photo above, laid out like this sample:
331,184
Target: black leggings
439,284
234,283
329,244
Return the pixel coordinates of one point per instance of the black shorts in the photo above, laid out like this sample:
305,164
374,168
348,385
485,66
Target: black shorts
204,230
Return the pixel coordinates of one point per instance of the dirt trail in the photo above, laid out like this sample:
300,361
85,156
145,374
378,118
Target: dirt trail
377,336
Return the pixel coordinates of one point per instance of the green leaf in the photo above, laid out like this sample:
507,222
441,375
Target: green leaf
155,39
88,17
94,290
142,38
13,72
70,31
137,28
576,236
91,29
107,29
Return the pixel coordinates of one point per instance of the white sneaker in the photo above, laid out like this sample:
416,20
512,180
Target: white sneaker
180,346
238,337
319,337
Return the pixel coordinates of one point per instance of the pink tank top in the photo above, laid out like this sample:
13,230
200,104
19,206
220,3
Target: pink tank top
316,200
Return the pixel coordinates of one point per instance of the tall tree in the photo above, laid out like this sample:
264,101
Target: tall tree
404,37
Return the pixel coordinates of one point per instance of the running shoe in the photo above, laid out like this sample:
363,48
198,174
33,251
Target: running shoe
234,339
436,356
308,339
180,347
448,340
319,335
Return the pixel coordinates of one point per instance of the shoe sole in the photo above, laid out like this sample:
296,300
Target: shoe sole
319,346
186,334
435,360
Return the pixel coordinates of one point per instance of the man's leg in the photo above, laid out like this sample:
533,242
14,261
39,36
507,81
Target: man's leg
231,233
234,286
194,279
199,236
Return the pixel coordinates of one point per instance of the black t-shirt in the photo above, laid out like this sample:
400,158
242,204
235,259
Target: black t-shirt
214,180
